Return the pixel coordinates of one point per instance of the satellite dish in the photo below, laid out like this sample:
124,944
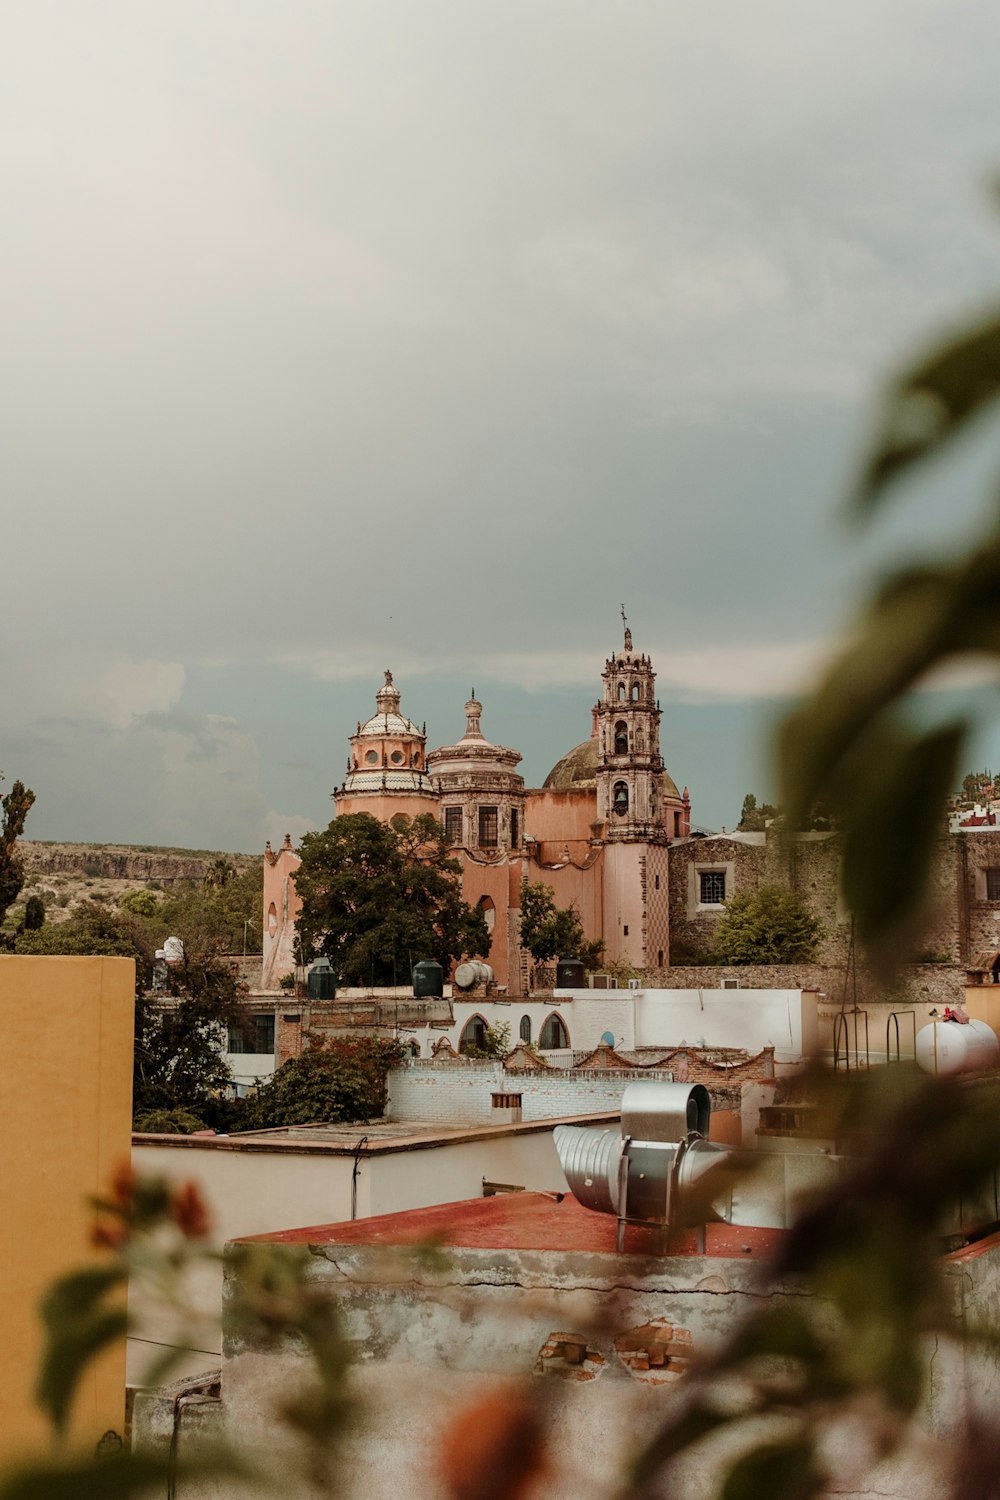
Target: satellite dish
608,1037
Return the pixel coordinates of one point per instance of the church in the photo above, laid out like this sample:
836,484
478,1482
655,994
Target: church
597,831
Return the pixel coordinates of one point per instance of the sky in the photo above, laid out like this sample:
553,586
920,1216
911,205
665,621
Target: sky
424,334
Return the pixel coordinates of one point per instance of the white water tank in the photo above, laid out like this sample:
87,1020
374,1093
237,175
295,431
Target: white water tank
950,1048
471,973
173,950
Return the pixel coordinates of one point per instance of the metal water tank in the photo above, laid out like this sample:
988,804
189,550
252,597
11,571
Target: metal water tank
471,973
428,979
321,983
570,974
952,1047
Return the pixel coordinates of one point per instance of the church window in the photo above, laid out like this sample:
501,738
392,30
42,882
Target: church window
396,757
371,757
659,958
621,692
713,887
993,885
656,882
489,911
525,1029
635,692
473,1037
488,827
621,738
677,825
272,919
515,829
553,1035
453,824
620,799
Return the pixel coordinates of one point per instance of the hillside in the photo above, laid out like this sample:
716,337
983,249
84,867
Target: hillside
64,874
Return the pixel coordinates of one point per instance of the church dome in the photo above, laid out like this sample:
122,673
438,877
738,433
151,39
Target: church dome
388,719
577,769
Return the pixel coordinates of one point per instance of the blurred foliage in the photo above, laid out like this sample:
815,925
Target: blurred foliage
770,925
16,804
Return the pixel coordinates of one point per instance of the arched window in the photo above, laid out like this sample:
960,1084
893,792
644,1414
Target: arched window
473,1038
553,1034
525,1029
621,738
272,919
489,911
619,800
635,692
414,1046
621,692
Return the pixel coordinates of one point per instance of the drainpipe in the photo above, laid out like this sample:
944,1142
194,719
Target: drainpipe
354,1175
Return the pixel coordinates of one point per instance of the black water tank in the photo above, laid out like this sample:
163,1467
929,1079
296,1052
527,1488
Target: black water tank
321,981
570,974
428,979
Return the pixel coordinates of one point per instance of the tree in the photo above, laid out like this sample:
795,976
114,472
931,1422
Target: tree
344,1079
548,931
16,806
767,926
377,897
754,818
217,914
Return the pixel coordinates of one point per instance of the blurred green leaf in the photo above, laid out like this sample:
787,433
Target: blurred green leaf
77,1327
120,1474
685,1426
775,1471
930,405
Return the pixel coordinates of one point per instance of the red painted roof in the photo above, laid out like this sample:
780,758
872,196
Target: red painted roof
524,1221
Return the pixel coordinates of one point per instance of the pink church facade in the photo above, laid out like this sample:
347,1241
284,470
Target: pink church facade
597,831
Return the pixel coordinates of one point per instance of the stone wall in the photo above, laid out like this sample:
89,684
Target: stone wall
938,984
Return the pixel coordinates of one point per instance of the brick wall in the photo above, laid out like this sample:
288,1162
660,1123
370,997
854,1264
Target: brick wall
459,1093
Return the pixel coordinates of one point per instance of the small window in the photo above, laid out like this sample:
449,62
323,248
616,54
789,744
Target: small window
396,757
525,1029
272,919
257,1037
515,829
713,887
635,692
625,930
488,827
677,825
621,738
619,800
372,757
553,1035
993,885
621,692
659,958
656,882
453,824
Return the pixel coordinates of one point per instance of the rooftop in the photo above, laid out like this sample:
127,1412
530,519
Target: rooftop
526,1221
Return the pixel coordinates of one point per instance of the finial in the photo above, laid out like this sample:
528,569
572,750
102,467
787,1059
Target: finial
628,633
288,841
388,678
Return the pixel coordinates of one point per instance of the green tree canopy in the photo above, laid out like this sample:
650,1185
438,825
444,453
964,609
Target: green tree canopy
755,816
16,806
377,897
548,931
345,1079
767,926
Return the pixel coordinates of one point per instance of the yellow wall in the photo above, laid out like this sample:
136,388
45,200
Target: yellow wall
65,1121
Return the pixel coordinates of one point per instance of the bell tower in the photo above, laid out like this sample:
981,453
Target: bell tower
629,766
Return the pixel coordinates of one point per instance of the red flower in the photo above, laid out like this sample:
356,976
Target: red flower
189,1212
123,1184
108,1236
493,1450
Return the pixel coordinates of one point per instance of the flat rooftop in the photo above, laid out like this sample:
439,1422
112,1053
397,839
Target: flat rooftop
381,1136
525,1221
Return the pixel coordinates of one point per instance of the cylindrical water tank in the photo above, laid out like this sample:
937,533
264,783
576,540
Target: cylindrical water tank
471,973
949,1047
321,981
570,974
428,979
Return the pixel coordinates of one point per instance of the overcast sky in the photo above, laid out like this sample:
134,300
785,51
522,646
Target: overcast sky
422,334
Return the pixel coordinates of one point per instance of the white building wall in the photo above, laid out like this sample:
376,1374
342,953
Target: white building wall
459,1093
